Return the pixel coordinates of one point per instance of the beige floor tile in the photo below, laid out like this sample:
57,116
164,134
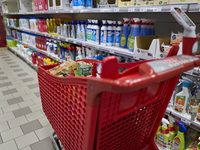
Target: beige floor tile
11,134
6,117
26,103
44,132
3,126
34,116
10,108
10,145
36,107
26,140
44,121
17,121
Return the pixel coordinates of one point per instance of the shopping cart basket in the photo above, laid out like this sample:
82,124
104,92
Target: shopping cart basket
119,111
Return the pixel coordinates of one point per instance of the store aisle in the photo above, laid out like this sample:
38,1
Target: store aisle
23,125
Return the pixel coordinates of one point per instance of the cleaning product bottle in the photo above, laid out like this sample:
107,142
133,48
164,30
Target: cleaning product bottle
190,136
143,31
81,4
125,33
72,30
163,136
171,128
96,32
61,28
194,143
110,33
118,33
82,32
152,27
148,27
75,4
179,140
104,33
92,35
194,100
64,29
89,31
78,30
114,32
182,97
135,31
198,114
79,56
69,29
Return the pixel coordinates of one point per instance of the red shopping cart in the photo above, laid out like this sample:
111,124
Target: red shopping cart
117,111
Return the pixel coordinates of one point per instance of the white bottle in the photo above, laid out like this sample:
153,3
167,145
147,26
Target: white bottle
110,33
181,99
118,33
78,31
64,30
96,32
89,31
61,28
114,32
79,53
104,33
82,32
87,53
83,52
92,34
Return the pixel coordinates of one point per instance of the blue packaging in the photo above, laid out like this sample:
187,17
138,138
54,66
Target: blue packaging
89,3
110,36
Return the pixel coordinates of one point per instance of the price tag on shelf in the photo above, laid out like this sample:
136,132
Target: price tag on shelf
74,42
56,11
102,10
111,51
158,9
71,11
143,9
131,9
58,38
188,122
116,9
66,40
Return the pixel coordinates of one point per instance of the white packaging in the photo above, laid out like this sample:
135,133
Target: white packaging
104,33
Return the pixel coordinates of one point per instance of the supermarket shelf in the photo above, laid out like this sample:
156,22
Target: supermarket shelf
165,8
8,1
194,8
109,49
186,119
39,50
14,50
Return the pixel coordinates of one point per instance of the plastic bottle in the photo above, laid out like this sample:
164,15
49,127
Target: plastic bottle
135,31
143,31
81,4
72,30
82,32
79,56
118,33
75,4
92,34
190,136
64,30
104,33
110,33
194,143
125,33
89,3
61,28
179,140
163,136
78,30
114,32
89,30
69,29
152,27
195,101
96,32
171,129
181,99
148,27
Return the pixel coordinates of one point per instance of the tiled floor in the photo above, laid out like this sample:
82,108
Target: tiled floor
23,125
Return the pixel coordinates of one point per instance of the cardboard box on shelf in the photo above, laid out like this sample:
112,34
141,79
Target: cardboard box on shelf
107,3
183,1
151,45
142,3
161,2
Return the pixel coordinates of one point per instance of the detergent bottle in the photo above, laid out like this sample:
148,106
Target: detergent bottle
163,136
143,31
194,142
171,129
190,136
104,33
179,140
125,33
135,31
152,27
110,36
118,33
181,98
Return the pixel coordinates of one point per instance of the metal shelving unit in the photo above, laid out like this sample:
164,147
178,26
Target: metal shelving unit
164,8
39,50
15,51
109,49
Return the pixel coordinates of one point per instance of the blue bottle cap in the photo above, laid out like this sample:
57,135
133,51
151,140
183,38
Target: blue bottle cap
182,127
